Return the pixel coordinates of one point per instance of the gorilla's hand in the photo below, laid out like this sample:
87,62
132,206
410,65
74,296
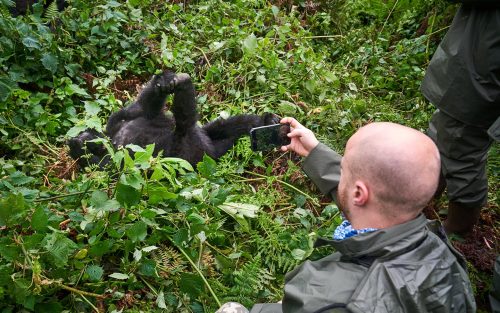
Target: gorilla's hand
270,119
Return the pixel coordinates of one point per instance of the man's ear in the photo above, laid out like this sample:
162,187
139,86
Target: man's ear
361,193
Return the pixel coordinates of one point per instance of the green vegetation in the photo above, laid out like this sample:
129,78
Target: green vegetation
156,235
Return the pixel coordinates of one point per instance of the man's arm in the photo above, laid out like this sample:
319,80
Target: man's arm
322,166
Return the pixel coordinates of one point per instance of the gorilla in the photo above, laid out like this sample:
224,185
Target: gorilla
144,122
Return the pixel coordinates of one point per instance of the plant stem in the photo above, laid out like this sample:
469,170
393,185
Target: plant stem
324,36
197,269
90,303
288,185
388,16
81,292
62,196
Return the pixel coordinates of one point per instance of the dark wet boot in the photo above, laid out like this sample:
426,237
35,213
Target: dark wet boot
461,219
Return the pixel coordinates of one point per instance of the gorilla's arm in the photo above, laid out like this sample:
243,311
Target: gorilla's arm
116,120
224,132
237,126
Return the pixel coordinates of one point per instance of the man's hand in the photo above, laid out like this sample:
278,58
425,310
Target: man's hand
303,140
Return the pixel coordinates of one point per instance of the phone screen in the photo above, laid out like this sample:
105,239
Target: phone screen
268,137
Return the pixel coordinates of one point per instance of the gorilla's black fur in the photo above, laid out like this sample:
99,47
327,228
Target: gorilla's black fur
144,122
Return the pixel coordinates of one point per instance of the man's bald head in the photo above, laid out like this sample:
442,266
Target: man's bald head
400,166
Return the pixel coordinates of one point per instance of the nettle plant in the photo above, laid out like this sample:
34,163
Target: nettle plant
147,232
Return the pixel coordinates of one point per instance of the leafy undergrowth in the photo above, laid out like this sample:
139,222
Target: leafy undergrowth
156,234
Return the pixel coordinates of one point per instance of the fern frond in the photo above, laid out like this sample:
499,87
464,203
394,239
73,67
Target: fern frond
275,247
51,12
252,278
207,263
168,261
8,3
4,7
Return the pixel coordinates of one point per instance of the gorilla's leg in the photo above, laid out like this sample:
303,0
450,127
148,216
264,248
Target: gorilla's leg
88,153
225,132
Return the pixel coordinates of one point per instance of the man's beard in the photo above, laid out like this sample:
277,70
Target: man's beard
342,202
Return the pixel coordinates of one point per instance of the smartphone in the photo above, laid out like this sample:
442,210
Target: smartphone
266,138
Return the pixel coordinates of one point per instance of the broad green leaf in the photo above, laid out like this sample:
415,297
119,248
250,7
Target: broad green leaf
275,10
31,43
18,178
39,220
191,284
298,254
142,158
149,248
59,248
75,89
81,254
207,167
6,87
196,218
181,237
216,45
9,250
12,209
138,231
180,162
134,179
100,201
137,255
160,300
92,108
100,248
250,44
147,268
159,193
135,148
50,62
75,130
22,293
240,209
94,122
94,272
119,276
310,85
127,195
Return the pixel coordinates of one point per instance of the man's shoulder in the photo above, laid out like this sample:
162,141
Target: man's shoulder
428,276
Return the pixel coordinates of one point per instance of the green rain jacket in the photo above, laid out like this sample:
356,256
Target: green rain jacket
405,268
463,77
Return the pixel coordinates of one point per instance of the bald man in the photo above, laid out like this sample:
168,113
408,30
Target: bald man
389,257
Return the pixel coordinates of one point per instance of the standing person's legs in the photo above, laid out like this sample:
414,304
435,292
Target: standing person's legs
464,152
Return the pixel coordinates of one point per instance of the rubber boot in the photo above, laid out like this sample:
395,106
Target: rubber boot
461,219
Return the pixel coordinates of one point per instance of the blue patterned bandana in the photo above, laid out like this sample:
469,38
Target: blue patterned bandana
345,230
